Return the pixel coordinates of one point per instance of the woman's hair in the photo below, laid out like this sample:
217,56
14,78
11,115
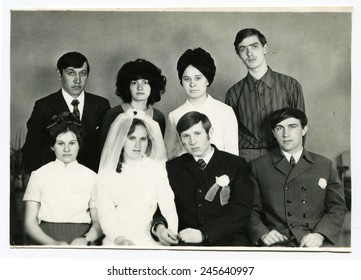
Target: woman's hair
199,59
140,69
64,122
135,123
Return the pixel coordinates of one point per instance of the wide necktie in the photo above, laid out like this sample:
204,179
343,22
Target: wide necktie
75,103
292,161
202,164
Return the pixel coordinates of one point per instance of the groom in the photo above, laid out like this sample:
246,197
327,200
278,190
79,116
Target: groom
212,190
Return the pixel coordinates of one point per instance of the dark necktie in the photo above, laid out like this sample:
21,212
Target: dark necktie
292,161
202,164
75,103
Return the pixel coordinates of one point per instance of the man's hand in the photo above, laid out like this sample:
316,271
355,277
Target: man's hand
312,240
122,241
166,236
191,235
273,237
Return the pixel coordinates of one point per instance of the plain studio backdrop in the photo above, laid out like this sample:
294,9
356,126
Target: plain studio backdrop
313,47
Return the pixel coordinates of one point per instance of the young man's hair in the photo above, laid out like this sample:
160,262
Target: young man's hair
248,32
72,59
200,59
192,118
140,69
286,113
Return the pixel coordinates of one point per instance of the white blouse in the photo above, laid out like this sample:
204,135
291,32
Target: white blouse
224,123
65,192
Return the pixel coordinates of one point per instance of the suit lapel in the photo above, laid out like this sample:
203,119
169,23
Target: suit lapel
59,104
192,166
280,162
88,109
305,162
213,164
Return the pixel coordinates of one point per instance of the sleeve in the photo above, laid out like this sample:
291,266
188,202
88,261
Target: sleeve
93,193
170,137
107,208
256,229
33,189
107,121
165,197
298,101
332,220
35,141
236,217
230,136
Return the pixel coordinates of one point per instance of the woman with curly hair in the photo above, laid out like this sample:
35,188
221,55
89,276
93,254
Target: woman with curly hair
139,84
196,71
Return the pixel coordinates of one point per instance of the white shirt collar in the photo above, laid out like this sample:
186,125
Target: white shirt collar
209,98
68,99
207,158
296,156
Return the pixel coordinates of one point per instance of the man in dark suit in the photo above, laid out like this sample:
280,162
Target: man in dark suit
73,71
299,200
212,190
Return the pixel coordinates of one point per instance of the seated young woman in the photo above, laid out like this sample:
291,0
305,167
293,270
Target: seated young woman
60,196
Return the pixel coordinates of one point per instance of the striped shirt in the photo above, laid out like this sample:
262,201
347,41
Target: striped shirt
253,101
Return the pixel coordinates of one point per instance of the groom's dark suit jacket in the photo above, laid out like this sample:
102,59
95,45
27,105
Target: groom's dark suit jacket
223,225
36,150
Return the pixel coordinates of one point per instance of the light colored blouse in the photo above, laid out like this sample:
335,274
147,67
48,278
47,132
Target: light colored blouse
224,123
126,201
65,192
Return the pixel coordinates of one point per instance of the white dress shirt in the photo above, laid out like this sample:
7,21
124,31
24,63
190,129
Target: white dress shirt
68,99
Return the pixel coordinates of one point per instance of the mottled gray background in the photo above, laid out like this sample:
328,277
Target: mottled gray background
314,48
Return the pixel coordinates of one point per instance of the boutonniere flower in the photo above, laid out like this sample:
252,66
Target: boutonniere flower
221,182
322,183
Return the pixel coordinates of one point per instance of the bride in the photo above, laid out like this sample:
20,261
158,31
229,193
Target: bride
132,181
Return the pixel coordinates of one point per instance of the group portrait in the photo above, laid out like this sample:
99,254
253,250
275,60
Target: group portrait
180,129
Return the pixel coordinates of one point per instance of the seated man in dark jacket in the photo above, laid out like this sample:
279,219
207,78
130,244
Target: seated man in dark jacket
212,190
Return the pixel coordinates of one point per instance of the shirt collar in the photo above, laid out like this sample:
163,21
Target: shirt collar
296,156
209,99
68,98
61,164
207,158
267,78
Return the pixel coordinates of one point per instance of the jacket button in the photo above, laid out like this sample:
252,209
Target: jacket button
200,205
289,214
304,215
304,201
289,201
287,188
307,224
303,189
199,190
292,226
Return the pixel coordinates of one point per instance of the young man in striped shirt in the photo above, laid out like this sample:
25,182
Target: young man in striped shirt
260,93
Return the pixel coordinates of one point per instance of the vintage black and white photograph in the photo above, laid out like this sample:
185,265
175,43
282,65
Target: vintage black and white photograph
197,129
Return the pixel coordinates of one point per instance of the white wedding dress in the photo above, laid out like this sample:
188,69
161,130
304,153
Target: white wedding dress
126,201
